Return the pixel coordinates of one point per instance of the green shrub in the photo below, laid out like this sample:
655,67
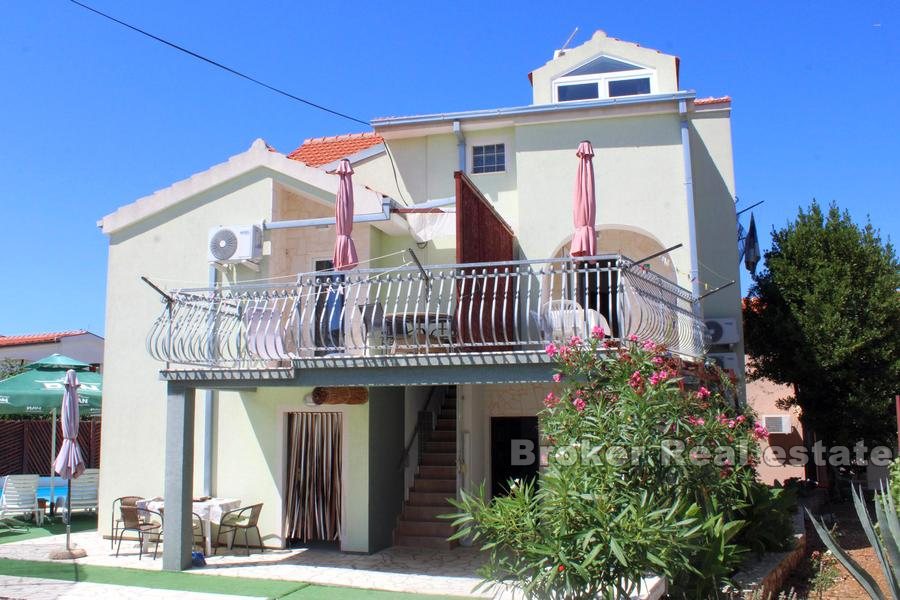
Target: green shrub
645,475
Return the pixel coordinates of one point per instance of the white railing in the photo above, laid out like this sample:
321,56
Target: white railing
516,306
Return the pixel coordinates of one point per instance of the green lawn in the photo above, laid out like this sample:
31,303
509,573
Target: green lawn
80,522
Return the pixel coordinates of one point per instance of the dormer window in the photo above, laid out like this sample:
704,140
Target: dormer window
602,78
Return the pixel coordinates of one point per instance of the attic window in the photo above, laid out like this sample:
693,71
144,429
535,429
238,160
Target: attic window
604,77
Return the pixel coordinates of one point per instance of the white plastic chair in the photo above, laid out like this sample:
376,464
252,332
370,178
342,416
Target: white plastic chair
561,319
20,498
84,492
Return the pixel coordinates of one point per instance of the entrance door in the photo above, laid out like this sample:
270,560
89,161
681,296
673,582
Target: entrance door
312,507
514,451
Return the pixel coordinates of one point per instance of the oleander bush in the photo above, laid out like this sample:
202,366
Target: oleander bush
646,474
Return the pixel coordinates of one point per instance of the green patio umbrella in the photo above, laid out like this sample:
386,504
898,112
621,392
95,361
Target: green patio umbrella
39,391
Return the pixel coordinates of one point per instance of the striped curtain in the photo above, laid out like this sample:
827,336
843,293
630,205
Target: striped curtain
313,499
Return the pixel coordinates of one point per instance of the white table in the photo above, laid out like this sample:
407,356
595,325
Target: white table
210,511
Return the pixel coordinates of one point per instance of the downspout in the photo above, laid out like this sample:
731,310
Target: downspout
385,215
689,196
460,145
208,413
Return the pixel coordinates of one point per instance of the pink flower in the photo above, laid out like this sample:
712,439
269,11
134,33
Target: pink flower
731,423
557,377
695,420
657,360
632,338
551,400
703,393
760,432
551,350
579,404
741,419
648,345
636,381
575,341
597,332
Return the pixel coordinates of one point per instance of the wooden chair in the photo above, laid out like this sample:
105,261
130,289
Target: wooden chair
140,520
243,519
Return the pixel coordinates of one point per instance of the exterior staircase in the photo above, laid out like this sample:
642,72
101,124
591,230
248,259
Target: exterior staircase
418,525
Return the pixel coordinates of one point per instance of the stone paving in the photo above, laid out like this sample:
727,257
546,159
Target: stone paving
32,588
397,569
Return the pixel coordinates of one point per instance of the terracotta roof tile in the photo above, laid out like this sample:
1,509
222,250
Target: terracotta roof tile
321,151
720,100
37,338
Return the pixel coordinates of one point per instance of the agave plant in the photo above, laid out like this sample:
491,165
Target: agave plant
887,546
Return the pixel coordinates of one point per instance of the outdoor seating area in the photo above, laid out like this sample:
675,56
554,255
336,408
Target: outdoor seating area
215,523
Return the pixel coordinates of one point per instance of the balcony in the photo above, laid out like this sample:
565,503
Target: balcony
499,308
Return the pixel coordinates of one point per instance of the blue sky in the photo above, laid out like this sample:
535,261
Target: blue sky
93,116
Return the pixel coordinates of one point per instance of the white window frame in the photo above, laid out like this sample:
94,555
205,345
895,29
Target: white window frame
481,145
603,79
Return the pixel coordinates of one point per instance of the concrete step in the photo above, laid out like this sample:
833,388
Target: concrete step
442,435
436,472
425,528
426,513
446,486
438,458
442,447
447,414
417,541
430,499
445,425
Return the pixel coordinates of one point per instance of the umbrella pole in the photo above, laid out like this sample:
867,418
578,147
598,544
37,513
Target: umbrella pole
68,514
52,459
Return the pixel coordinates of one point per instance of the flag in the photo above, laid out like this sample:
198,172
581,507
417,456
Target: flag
751,247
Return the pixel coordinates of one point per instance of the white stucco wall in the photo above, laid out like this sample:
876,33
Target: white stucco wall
86,347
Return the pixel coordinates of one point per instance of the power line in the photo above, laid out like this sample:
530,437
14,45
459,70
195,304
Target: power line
220,65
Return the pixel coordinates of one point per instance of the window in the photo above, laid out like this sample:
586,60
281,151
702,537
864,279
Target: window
604,77
577,91
489,159
629,87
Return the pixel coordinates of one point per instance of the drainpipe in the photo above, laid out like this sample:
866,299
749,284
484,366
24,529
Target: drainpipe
460,145
208,413
689,196
385,215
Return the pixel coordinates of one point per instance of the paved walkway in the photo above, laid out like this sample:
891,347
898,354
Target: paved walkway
410,570
36,588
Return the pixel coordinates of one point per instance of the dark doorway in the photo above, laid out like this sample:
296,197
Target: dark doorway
597,288
329,309
514,451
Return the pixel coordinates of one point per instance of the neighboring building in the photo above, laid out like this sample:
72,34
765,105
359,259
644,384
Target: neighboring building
492,188
79,344
785,431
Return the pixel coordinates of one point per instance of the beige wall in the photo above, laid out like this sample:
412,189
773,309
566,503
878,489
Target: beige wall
85,347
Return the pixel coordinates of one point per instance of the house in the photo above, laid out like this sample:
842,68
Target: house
77,343
421,372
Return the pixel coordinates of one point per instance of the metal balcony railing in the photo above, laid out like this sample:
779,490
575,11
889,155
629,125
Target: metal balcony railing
516,306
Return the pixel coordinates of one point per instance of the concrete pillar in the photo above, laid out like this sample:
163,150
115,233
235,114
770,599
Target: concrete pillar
177,533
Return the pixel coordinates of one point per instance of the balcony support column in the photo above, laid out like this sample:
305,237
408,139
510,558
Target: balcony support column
179,480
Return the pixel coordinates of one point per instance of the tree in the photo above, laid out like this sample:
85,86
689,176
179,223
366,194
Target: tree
10,367
824,317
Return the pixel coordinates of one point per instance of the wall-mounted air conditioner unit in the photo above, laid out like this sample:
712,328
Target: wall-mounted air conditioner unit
777,423
234,244
722,331
725,360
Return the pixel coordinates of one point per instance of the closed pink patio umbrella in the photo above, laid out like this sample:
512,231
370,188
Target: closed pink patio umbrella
584,241
345,257
69,463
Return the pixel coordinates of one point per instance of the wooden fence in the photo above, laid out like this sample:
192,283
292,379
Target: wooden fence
25,445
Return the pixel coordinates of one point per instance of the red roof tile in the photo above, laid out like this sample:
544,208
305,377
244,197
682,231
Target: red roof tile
37,338
720,100
321,151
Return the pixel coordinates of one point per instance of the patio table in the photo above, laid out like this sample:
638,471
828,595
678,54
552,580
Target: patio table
210,511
